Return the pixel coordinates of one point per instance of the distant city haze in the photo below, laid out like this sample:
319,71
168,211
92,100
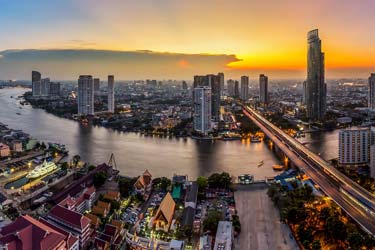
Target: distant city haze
187,37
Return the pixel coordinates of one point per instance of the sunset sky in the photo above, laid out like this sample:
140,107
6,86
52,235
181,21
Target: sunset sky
267,36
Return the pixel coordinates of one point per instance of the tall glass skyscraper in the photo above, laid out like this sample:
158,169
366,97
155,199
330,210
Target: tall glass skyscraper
36,79
316,89
111,93
371,91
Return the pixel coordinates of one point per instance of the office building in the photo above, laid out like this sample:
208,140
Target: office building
316,89
224,236
45,87
184,85
263,89
244,88
230,87
371,91
36,79
202,109
96,85
212,81
85,95
111,93
54,89
236,89
372,152
221,79
354,147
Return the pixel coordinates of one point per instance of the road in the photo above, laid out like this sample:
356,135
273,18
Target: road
261,228
314,167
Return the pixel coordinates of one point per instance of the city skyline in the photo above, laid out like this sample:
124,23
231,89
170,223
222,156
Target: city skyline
261,42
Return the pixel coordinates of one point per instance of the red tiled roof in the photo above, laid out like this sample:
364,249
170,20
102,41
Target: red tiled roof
69,217
69,238
27,233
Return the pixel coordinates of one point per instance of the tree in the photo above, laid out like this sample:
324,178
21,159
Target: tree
76,160
212,221
162,183
222,180
202,183
64,166
355,239
336,228
99,179
126,186
316,245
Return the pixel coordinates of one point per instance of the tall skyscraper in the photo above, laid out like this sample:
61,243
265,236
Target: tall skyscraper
372,152
354,147
244,88
36,79
54,89
85,95
45,87
96,85
202,109
263,89
221,77
316,89
111,93
212,81
231,87
184,85
371,91
236,89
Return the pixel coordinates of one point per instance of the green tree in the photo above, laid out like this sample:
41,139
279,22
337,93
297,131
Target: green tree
316,245
336,228
202,183
222,180
64,166
99,179
211,222
76,160
355,240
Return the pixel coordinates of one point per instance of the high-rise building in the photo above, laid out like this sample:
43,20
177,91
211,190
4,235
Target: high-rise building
236,89
45,87
230,87
111,93
354,147
316,89
304,92
36,79
212,81
96,85
244,88
85,95
263,89
202,109
372,152
221,77
54,89
371,91
184,85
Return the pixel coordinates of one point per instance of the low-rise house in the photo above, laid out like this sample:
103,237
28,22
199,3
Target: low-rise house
4,150
164,215
224,236
95,220
71,221
28,233
112,196
82,202
144,183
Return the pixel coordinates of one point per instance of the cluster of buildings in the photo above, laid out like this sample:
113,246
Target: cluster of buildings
87,86
14,141
207,92
43,87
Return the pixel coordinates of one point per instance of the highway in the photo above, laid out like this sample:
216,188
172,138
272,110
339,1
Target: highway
357,202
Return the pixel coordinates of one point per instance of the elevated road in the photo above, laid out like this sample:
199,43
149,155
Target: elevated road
357,202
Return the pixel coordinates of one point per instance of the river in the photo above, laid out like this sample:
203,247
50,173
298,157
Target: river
134,152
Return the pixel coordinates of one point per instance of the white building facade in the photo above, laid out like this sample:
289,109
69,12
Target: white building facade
354,147
111,93
202,109
85,95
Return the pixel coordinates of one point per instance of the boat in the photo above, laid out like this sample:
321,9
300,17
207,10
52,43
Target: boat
260,164
255,139
42,169
18,113
278,167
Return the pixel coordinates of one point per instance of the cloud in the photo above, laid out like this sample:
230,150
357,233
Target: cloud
68,64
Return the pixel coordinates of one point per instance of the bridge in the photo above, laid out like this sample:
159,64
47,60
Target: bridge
357,202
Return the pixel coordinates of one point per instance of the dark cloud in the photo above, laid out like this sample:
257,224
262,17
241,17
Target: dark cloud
70,63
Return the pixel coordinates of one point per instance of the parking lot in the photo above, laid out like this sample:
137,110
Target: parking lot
261,228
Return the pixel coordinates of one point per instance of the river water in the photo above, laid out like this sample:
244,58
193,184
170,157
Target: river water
134,152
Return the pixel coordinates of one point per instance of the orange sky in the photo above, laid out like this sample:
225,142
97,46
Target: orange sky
267,35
